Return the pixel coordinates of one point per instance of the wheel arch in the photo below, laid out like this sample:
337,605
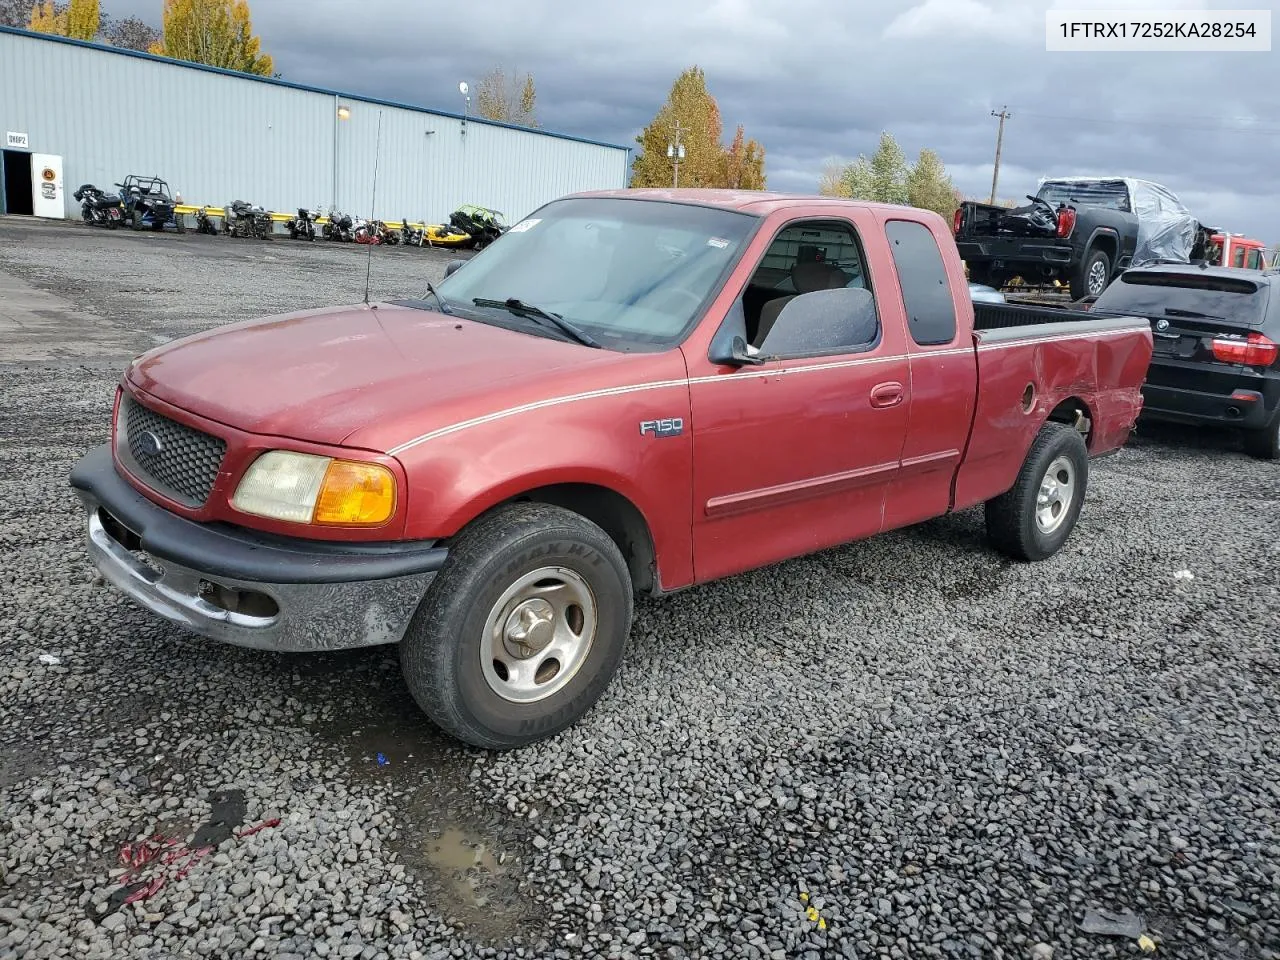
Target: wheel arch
1106,240
602,504
1074,412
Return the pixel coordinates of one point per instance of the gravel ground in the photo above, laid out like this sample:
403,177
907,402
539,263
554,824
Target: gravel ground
904,748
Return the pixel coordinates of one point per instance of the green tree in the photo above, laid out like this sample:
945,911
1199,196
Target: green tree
507,98
929,187
15,13
707,163
218,33
889,171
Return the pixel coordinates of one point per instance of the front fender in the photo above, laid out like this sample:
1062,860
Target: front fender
455,478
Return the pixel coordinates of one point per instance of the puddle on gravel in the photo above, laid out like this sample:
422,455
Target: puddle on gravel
463,854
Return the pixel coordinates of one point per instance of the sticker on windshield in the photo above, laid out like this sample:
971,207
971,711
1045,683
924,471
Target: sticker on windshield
718,242
524,225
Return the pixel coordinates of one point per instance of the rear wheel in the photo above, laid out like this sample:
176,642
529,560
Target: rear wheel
522,630
1092,276
1264,443
1034,518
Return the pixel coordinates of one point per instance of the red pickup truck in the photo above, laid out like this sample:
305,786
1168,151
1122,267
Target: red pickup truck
628,393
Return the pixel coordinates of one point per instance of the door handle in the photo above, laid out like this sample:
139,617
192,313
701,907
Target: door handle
886,394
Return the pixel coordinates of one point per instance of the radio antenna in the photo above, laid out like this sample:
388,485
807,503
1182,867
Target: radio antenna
373,205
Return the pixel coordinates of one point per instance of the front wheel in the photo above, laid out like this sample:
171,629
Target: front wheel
1034,518
1264,443
522,630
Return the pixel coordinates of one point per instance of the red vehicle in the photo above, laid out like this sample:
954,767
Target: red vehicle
1236,250
628,393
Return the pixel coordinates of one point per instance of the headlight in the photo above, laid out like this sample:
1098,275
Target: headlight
304,488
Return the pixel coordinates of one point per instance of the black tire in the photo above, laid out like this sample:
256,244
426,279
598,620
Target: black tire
1012,524
135,219
180,222
1095,268
440,653
1264,443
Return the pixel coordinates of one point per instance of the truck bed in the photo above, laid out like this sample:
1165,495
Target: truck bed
1002,316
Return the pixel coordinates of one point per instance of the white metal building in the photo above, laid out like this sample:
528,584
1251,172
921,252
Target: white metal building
218,136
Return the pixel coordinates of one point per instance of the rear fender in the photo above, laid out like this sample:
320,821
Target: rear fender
1026,379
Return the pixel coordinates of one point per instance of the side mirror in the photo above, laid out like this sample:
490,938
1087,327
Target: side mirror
453,266
738,353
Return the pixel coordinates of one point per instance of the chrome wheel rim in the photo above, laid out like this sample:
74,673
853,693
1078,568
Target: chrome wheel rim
1057,491
1097,277
538,634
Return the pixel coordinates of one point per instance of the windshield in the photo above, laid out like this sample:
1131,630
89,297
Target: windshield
1153,294
1092,193
627,272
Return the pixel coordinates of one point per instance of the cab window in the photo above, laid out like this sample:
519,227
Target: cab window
805,258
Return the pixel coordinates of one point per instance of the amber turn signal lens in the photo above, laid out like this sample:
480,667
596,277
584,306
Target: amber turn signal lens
356,493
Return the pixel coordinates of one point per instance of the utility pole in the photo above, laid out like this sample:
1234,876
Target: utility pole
676,152
1004,115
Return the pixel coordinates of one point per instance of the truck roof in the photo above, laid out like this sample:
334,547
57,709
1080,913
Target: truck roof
755,202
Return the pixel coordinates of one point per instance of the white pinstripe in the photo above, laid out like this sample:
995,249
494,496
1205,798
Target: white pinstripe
729,378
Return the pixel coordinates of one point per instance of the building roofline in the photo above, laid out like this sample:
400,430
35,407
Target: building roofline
362,98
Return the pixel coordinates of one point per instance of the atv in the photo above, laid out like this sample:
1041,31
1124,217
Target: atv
148,203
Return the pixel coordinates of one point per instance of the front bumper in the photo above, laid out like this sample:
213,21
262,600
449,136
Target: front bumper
244,588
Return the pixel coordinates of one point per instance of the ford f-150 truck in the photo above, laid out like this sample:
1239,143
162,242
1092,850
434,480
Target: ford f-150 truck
628,393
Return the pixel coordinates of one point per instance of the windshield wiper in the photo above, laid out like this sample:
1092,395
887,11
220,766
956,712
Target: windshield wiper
444,306
517,306
1195,314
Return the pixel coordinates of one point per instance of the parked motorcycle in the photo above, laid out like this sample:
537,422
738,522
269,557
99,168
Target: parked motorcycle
204,223
364,231
410,236
303,226
99,207
340,227
244,219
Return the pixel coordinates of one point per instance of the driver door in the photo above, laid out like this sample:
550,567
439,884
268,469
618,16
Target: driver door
796,454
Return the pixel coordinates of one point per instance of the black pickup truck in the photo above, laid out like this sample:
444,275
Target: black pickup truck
1082,230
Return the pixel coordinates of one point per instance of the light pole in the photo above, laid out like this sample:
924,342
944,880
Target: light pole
676,152
1004,115
465,90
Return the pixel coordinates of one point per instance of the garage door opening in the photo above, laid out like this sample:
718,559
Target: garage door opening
17,183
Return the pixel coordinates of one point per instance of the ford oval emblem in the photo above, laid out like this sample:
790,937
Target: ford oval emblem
1162,325
149,444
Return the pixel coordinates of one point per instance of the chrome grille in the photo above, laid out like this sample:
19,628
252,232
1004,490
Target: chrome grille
171,458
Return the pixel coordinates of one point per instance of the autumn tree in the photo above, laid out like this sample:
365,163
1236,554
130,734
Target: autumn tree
217,33
77,19
49,17
743,164
130,33
707,163
507,98
15,13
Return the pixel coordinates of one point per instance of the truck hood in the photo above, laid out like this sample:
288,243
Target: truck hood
324,375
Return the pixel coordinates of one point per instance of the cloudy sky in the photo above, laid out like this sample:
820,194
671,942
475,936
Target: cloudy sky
815,79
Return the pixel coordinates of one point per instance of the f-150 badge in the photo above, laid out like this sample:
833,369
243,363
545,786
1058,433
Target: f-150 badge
668,427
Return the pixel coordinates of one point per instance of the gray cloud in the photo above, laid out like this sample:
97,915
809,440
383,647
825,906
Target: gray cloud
812,79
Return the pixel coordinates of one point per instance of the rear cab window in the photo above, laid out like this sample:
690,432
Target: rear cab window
922,275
